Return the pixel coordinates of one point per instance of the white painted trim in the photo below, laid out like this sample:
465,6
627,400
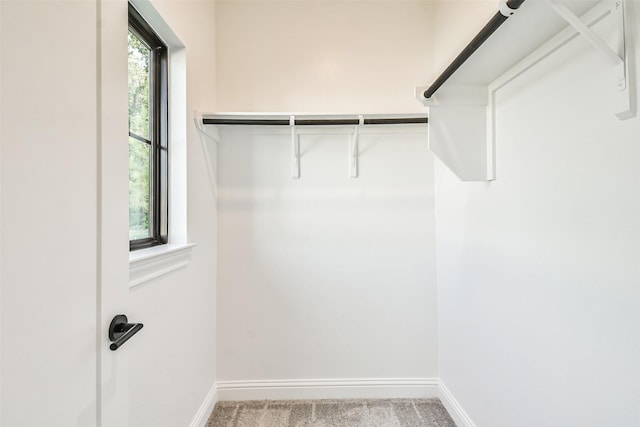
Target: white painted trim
461,418
209,402
149,264
370,388
157,22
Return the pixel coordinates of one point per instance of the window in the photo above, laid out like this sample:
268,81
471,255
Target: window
148,135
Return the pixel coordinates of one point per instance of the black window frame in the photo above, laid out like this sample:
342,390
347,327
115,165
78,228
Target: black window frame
159,116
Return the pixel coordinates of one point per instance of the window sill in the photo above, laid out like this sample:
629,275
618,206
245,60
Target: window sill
149,264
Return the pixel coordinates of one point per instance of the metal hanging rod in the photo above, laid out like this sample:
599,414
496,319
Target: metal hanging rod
507,8
315,122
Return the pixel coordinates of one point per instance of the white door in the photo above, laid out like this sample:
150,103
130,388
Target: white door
63,200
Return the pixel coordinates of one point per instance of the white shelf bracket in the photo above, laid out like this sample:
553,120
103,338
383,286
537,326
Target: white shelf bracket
295,149
594,39
458,117
616,55
353,149
197,119
202,131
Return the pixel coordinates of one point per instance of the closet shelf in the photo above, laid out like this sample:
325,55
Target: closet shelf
506,40
521,34
296,120
306,119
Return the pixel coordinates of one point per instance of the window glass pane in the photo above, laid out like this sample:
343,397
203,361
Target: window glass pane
139,79
148,145
139,189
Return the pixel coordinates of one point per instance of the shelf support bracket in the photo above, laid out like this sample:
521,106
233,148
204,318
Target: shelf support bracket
594,39
458,132
204,137
616,55
295,149
353,149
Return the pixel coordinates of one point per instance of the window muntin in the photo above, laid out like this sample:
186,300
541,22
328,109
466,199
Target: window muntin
148,145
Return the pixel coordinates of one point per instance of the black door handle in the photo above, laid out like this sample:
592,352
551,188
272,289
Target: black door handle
120,331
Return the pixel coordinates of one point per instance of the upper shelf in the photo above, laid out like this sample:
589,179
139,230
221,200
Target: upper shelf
532,23
462,111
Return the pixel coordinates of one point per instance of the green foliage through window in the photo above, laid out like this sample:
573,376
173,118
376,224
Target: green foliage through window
148,136
139,151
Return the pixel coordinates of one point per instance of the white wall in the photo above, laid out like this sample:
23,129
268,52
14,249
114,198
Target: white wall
323,56
326,277
454,25
49,212
173,361
538,272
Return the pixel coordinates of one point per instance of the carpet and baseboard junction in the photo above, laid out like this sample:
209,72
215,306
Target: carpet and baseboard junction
331,413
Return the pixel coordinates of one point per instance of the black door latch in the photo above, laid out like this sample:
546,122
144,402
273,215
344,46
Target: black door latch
120,331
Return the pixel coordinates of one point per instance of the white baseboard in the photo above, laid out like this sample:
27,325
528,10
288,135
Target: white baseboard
454,408
374,388
202,416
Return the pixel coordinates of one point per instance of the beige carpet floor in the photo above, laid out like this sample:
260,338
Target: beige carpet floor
331,413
